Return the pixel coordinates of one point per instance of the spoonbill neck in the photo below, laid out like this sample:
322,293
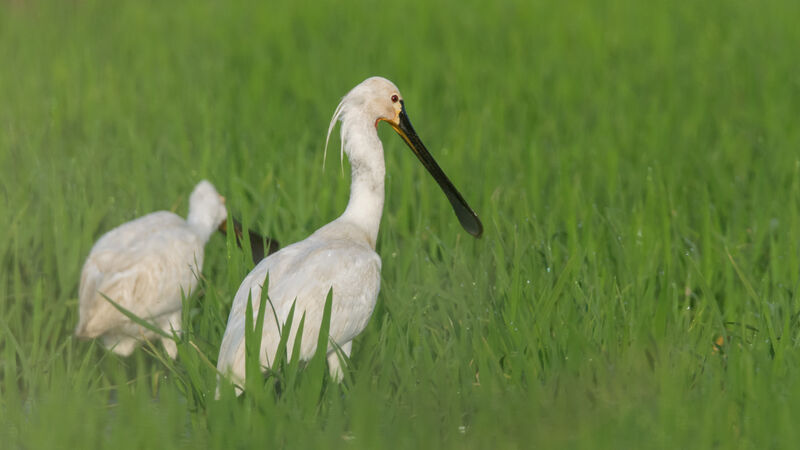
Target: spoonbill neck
368,170
203,228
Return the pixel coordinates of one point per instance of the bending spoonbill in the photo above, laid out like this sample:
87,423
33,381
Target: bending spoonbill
144,265
341,255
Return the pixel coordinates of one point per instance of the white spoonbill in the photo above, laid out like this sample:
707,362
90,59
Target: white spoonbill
144,265
341,255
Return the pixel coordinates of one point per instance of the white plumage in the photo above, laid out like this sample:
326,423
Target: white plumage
145,265
341,255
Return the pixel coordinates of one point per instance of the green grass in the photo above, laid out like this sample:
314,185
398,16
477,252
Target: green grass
636,166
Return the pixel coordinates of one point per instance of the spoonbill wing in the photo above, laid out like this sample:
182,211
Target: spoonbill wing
137,265
353,272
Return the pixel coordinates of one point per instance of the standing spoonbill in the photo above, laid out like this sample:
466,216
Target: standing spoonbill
340,255
145,265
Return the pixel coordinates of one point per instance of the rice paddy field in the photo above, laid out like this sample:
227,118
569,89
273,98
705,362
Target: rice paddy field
636,166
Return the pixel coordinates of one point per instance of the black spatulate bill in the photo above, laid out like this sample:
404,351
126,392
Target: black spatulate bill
258,244
466,216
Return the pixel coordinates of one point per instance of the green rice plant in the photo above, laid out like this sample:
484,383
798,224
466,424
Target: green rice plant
635,166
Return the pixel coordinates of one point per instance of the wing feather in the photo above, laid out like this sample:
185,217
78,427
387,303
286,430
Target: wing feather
304,272
142,265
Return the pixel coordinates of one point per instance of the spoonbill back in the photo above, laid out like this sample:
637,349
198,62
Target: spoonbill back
339,256
145,265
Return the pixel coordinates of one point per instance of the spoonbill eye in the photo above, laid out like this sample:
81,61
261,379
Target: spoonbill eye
395,98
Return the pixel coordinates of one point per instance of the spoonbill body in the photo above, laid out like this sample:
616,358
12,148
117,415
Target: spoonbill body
145,265
339,256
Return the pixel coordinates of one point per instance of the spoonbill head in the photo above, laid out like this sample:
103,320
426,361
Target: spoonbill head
341,255
377,99
206,208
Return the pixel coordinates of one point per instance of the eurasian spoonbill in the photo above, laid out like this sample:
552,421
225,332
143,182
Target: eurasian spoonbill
145,265
340,255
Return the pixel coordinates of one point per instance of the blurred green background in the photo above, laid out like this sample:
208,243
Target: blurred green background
636,166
